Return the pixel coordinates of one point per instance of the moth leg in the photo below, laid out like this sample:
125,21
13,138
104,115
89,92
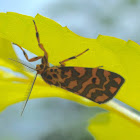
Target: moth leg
26,56
62,63
40,44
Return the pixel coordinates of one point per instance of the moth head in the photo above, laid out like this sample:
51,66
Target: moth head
40,68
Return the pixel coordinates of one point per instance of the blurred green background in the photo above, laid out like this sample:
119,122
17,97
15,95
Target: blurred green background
55,118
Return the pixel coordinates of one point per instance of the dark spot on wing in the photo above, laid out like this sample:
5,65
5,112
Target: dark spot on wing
94,80
54,75
49,82
63,72
49,77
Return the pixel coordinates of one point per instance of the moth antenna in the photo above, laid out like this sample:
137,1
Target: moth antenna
29,95
21,63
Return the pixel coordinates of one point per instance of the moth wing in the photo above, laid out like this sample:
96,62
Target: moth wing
95,84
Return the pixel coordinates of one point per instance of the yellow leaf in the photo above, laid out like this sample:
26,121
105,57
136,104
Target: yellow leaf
128,55
113,54
110,126
5,53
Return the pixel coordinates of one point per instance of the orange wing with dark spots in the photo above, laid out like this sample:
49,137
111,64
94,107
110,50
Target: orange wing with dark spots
95,84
